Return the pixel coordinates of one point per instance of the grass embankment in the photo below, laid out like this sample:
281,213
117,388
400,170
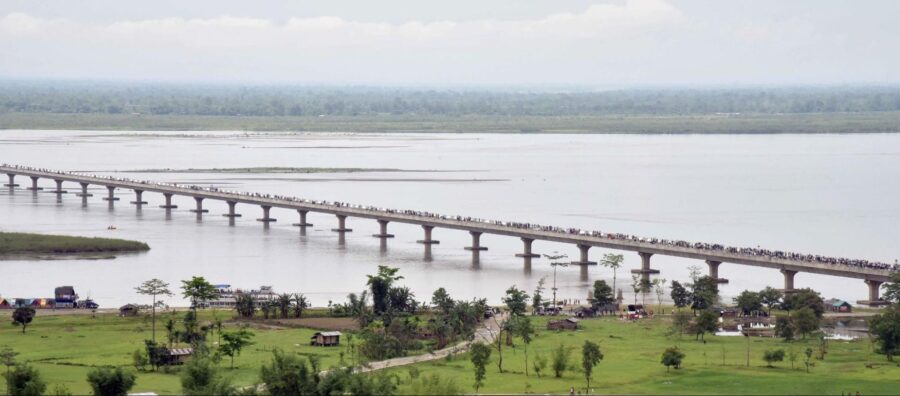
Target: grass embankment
65,347
14,243
862,122
631,365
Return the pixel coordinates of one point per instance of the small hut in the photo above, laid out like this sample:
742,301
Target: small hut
564,324
326,338
836,305
176,356
5,304
128,310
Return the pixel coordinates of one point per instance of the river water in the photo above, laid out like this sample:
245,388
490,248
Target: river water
823,194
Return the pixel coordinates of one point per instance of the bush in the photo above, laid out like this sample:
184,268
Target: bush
106,381
773,356
25,380
560,360
672,357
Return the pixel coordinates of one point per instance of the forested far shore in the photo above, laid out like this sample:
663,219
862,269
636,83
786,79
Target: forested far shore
13,243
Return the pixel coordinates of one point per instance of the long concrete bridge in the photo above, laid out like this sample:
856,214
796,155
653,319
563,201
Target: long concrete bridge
873,277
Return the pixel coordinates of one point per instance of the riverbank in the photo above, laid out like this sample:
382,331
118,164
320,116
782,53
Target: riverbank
807,123
14,245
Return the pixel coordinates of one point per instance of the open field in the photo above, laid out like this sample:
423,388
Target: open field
631,365
18,244
65,347
862,122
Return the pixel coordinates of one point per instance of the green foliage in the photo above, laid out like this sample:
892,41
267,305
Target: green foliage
200,376
704,293
560,360
288,375
25,380
434,384
804,298
892,289
680,295
106,381
805,320
773,356
770,297
885,327
380,285
748,302
707,322
23,243
613,262
680,323
233,342
784,327
539,363
139,359
672,357
537,298
516,300
442,301
602,294
345,382
154,287
156,354
245,305
198,290
22,316
590,356
480,355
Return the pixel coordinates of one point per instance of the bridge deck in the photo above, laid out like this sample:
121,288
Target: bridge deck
487,228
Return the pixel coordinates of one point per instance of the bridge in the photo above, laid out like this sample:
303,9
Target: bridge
789,267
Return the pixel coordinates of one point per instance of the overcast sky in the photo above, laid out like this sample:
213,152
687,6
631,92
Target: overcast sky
411,42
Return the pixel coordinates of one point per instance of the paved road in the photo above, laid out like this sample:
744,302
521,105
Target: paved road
485,333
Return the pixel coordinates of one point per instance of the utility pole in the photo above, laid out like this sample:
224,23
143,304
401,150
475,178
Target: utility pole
555,263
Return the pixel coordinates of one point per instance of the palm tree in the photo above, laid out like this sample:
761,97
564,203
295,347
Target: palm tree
245,305
284,304
300,303
613,261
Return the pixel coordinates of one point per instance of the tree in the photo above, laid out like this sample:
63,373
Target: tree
288,375
560,360
441,300
198,290
680,296
770,297
806,321
613,261
704,293
590,356
808,354
156,354
539,364
516,300
784,327
522,328
694,272
25,380
537,298
672,357
749,302
284,304
22,316
232,343
707,322
245,305
773,356
300,304
807,298
154,287
792,356
892,289
602,294
106,381
885,328
380,285
645,287
200,376
435,385
680,322
659,286
139,359
481,354
8,358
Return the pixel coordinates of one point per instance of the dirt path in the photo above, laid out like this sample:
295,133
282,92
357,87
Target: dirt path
485,333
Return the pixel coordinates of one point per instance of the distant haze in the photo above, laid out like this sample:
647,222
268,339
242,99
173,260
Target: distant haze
410,42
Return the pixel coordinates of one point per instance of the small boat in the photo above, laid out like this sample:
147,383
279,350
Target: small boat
112,227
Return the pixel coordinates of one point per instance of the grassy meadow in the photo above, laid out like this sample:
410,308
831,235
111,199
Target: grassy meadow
631,365
14,243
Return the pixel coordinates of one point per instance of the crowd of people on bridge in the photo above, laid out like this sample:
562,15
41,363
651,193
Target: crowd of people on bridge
744,251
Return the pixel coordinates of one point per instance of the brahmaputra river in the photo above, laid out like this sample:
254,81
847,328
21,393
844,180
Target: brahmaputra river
824,194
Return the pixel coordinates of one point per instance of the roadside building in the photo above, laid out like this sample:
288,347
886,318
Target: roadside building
563,324
129,310
326,338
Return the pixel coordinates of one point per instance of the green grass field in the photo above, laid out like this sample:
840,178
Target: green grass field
65,347
22,243
631,365
862,122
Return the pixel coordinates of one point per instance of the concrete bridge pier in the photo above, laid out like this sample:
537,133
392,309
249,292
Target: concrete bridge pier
874,299
302,223
382,233
645,270
112,194
714,271
84,193
34,184
526,252
231,212
59,189
342,225
12,181
199,208
428,241
138,198
476,242
788,281
583,256
168,206
427,257
266,219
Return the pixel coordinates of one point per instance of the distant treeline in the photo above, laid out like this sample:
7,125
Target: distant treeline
262,100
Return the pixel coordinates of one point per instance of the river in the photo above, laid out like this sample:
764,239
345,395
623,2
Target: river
823,194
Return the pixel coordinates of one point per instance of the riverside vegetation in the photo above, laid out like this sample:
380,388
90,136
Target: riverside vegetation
16,244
